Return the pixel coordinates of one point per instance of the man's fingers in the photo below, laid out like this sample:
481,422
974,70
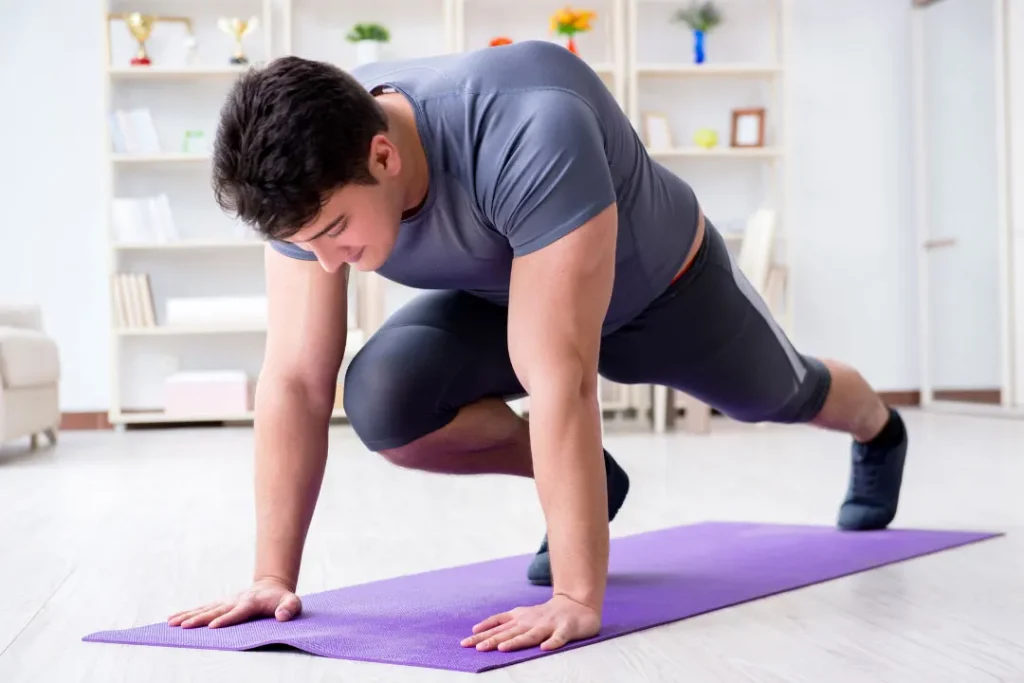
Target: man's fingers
557,640
185,614
192,614
491,622
502,636
288,608
527,639
204,618
235,615
484,635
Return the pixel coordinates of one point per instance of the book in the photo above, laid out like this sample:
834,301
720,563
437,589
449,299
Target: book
132,301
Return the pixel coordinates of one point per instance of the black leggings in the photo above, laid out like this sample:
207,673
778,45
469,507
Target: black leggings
709,335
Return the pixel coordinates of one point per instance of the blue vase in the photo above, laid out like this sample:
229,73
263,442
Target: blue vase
698,47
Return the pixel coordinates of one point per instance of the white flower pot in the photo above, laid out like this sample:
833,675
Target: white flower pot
367,51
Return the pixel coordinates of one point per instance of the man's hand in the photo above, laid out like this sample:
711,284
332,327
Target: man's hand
557,622
266,598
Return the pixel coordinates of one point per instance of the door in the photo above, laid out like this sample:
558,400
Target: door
962,209
1015,117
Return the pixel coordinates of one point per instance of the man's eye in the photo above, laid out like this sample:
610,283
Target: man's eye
339,229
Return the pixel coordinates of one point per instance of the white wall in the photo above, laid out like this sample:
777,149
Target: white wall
52,231
851,199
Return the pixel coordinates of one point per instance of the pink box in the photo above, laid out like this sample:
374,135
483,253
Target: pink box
208,393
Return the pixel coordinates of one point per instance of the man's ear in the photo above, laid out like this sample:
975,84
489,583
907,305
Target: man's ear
384,159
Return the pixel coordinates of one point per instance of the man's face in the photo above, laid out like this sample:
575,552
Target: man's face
359,224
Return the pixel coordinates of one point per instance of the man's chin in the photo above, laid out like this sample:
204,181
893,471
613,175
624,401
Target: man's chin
365,264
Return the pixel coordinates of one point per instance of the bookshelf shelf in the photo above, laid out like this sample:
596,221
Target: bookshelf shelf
159,158
159,417
354,341
172,73
190,245
717,153
189,330
738,70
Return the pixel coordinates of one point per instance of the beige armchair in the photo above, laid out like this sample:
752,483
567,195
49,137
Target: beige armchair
29,376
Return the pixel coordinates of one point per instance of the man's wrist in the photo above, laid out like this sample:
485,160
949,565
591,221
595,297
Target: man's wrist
594,602
290,584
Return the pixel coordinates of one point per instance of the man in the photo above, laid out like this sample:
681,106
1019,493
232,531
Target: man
510,183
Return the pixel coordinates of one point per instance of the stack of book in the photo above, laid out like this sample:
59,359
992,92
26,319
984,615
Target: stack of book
132,301
145,220
132,132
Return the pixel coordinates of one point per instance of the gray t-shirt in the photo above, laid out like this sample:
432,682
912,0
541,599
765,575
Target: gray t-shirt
525,143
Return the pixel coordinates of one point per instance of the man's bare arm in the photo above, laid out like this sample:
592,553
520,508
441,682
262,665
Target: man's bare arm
557,304
294,399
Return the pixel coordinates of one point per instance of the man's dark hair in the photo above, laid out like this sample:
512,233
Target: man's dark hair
290,133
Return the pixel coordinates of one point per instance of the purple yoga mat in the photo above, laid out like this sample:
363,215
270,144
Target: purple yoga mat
655,578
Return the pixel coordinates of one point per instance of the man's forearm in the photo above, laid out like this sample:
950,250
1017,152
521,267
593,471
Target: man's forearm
291,454
565,437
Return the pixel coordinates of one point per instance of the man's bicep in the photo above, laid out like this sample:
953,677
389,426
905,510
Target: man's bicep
307,321
554,175
558,300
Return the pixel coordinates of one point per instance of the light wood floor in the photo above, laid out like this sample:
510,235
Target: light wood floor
112,530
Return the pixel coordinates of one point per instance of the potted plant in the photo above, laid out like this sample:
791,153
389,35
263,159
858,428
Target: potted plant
568,22
701,18
368,39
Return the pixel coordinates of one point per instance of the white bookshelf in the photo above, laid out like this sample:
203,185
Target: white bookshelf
206,253
637,59
476,22
604,48
745,68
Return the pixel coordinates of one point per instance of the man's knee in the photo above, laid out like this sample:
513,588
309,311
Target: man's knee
390,400
801,405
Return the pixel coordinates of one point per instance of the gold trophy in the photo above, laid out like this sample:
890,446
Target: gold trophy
238,29
141,26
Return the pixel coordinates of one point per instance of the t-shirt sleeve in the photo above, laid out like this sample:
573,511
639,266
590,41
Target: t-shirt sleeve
292,250
553,175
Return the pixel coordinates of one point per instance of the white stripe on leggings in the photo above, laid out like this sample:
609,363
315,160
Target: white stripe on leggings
754,298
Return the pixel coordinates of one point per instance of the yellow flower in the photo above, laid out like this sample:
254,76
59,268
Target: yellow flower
570,21
582,22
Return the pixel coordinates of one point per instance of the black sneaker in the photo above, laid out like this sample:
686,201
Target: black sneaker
876,475
539,572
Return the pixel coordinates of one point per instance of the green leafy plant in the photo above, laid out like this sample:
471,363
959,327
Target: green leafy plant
699,16
362,32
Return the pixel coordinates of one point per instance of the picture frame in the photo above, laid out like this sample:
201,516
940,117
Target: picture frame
657,131
748,127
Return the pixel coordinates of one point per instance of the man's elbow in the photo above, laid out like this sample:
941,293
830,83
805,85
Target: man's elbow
316,394
567,381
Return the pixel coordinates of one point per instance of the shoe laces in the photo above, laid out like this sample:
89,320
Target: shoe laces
867,470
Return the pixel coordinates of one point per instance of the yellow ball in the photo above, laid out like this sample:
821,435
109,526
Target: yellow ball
706,138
